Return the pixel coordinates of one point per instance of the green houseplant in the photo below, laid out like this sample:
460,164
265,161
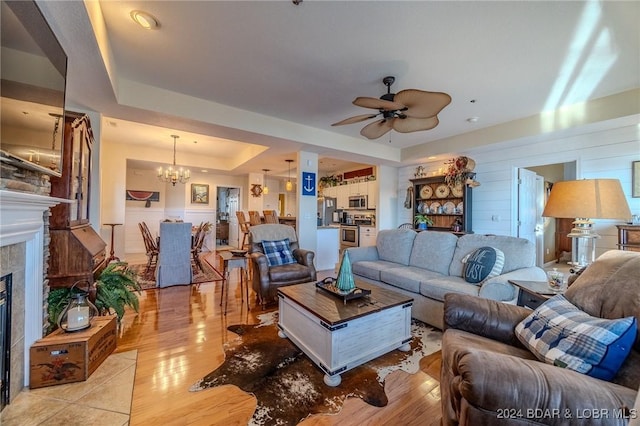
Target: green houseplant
115,288
422,221
327,181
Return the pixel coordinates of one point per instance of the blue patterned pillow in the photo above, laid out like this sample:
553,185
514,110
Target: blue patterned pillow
278,252
482,264
559,333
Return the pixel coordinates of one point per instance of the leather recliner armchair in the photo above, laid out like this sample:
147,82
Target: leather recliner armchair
489,378
266,279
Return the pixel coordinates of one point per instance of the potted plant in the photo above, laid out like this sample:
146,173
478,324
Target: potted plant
115,289
422,221
327,181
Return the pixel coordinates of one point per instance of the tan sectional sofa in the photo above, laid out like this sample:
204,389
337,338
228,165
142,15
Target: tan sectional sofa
428,265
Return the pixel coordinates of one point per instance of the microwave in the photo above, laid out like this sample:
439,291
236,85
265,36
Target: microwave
358,202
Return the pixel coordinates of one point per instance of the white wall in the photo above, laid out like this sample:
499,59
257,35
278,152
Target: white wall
602,150
174,201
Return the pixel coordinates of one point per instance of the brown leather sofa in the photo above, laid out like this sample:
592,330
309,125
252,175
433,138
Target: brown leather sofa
266,279
489,378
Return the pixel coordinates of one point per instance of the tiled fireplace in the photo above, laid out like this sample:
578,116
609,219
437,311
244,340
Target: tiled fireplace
22,246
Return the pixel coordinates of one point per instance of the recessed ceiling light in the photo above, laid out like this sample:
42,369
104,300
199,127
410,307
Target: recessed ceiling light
473,119
204,171
144,19
433,157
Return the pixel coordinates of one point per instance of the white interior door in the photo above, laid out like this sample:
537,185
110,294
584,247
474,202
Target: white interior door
527,208
234,205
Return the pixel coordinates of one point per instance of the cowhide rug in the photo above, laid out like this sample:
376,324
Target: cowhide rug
289,386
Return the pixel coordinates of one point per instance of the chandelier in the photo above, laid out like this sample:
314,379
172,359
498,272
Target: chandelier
171,173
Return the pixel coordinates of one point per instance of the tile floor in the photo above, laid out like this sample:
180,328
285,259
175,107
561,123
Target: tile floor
103,399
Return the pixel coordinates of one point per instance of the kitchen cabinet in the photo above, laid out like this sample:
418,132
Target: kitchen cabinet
358,188
368,235
328,248
443,204
343,192
76,251
342,195
330,191
372,191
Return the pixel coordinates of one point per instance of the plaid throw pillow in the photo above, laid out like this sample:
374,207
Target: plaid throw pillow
559,333
278,252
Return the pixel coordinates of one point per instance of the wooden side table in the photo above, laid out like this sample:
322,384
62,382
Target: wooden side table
532,293
229,262
112,255
629,237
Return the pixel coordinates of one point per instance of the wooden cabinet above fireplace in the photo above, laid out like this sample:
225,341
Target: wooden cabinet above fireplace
76,251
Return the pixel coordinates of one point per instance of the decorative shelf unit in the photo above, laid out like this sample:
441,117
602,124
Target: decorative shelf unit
443,204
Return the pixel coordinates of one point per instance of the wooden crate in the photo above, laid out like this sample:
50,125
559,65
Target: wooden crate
63,357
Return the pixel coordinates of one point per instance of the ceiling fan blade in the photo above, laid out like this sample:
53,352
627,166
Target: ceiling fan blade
377,128
408,125
422,104
376,103
356,119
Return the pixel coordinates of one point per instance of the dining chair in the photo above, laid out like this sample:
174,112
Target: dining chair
150,246
196,245
270,216
244,227
254,218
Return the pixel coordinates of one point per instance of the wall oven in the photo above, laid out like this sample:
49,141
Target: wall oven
358,202
349,236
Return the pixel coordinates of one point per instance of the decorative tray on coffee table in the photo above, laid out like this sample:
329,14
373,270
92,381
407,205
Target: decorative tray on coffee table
328,285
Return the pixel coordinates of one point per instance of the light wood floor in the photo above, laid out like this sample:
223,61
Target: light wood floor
179,333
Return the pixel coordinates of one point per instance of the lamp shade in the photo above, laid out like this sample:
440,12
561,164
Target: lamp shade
587,198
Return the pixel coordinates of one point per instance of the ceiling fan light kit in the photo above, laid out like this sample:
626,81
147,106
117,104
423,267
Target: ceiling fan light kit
407,111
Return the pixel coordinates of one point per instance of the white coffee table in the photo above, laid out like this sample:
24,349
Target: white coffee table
339,336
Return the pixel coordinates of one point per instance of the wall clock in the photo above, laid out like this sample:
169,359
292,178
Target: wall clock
256,189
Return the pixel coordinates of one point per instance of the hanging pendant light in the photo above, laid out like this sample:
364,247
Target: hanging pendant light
265,188
171,173
289,185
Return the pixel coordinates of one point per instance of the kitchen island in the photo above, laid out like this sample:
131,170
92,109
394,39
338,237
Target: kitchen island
328,248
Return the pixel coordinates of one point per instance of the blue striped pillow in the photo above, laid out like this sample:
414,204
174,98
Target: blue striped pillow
482,264
559,333
278,252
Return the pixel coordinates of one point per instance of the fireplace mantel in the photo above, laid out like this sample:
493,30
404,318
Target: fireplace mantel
22,220
21,214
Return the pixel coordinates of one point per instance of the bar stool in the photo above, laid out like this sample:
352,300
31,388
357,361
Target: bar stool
254,218
244,227
270,216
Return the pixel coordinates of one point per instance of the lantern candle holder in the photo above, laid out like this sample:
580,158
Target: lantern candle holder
78,313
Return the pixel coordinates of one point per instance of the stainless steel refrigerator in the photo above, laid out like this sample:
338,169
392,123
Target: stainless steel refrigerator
326,207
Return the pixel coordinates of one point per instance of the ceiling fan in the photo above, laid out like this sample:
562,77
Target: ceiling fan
407,111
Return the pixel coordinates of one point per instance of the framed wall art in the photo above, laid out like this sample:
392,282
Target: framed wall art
635,179
199,193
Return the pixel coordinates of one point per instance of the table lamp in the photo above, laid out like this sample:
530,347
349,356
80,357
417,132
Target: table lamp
584,200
